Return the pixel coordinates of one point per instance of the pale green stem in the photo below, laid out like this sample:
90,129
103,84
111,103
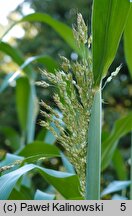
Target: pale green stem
93,168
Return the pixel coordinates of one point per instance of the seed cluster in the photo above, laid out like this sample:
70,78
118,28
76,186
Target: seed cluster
74,98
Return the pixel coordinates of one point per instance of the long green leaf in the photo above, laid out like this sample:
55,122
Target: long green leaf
67,184
26,106
128,42
109,18
63,30
121,127
93,168
22,100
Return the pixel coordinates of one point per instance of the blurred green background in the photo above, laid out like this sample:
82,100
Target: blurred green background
40,39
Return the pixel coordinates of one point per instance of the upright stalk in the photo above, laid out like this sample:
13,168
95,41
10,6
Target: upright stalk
93,167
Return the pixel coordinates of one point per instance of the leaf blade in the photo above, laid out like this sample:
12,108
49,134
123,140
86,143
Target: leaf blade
62,29
107,16
26,107
39,148
128,42
67,184
115,186
16,56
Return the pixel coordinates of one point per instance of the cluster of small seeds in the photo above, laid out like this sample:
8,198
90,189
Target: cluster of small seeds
74,98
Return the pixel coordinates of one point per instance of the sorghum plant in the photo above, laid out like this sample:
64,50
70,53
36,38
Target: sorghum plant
74,98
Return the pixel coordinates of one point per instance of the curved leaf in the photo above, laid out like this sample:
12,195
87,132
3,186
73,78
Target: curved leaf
109,18
67,184
16,56
115,186
49,62
41,149
62,29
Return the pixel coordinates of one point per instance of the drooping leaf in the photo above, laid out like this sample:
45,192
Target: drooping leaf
115,186
108,22
128,42
46,60
39,195
67,184
16,56
62,29
41,149
12,52
121,127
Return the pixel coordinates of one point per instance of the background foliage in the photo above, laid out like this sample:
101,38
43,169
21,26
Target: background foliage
19,108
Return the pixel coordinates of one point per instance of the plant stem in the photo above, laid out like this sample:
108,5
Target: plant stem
93,167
